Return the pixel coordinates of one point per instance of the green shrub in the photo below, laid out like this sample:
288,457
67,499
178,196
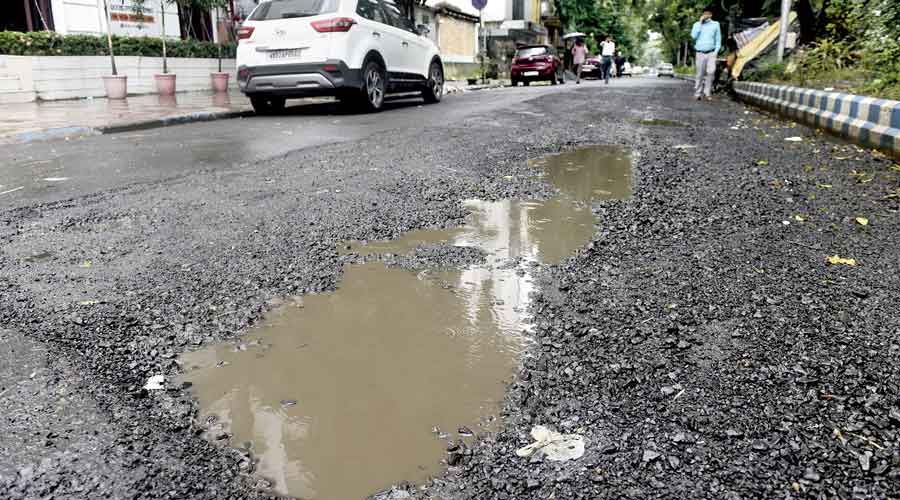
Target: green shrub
765,71
858,52
49,43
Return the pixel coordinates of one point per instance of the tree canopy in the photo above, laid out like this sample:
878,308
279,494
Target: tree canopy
620,19
673,18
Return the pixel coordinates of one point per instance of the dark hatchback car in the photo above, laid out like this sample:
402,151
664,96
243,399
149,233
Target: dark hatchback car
592,68
534,63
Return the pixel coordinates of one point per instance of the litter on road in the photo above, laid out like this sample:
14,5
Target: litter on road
554,446
155,383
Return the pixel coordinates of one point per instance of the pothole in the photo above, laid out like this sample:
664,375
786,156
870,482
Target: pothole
661,122
364,387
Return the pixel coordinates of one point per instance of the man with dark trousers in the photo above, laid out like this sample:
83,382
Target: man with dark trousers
620,64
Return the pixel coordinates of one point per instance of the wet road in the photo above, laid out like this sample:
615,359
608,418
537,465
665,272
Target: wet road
51,171
700,343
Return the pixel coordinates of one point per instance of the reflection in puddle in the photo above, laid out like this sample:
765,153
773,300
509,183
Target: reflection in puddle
661,122
342,397
39,257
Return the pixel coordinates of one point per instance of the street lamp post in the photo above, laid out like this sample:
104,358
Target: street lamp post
480,5
782,35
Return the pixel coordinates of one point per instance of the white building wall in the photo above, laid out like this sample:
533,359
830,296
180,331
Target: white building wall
86,17
497,10
69,77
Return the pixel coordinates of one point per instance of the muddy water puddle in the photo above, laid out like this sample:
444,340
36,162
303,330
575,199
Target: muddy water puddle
659,122
340,395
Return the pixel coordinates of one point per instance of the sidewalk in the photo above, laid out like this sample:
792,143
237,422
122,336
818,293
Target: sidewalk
36,121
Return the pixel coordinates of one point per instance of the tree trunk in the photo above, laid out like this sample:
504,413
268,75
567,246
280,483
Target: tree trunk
807,18
162,18
822,18
112,56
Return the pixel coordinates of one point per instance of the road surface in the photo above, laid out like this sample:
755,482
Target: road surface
701,343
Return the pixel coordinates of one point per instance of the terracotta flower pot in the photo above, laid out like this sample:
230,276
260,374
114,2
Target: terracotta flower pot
219,81
165,83
116,86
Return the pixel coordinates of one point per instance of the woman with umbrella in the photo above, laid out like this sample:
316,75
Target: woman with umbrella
579,53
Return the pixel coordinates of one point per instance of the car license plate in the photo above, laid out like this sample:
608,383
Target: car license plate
588,66
285,53
530,73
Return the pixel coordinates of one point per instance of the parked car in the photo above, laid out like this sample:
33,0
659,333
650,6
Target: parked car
536,63
665,69
356,50
592,68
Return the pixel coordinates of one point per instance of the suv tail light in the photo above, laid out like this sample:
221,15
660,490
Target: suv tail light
336,25
244,32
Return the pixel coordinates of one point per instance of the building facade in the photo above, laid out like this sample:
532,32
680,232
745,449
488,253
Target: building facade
87,17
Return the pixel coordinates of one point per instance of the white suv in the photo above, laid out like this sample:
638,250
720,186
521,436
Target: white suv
356,50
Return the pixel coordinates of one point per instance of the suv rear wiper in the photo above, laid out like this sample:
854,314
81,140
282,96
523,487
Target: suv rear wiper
289,15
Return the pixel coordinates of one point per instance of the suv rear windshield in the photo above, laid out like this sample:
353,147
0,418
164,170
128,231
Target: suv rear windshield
531,51
286,9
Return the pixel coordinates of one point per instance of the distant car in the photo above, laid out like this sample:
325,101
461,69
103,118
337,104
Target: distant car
592,68
536,63
665,69
626,69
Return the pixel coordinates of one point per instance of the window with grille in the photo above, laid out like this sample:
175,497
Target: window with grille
518,12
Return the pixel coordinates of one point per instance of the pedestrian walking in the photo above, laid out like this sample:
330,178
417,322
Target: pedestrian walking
579,54
620,64
707,36
607,51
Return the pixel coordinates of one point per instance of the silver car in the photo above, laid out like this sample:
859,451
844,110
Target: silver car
665,69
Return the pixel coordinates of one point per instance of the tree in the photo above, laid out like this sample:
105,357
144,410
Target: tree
186,10
620,19
674,18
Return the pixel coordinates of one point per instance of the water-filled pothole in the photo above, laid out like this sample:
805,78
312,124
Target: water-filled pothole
661,122
363,387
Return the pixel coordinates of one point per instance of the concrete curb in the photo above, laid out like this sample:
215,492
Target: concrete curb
79,131
449,90
48,134
201,116
865,120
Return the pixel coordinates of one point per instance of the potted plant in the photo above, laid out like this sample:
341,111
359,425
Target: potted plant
116,85
219,78
165,82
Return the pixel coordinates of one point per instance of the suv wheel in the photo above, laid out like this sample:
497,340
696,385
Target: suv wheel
374,86
267,105
435,89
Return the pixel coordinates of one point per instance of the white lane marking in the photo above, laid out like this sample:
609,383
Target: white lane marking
12,190
55,179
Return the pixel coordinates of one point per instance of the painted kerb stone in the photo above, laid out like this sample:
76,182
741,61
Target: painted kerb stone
865,120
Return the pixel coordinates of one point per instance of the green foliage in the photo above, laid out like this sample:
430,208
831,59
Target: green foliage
49,43
673,19
858,52
620,19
